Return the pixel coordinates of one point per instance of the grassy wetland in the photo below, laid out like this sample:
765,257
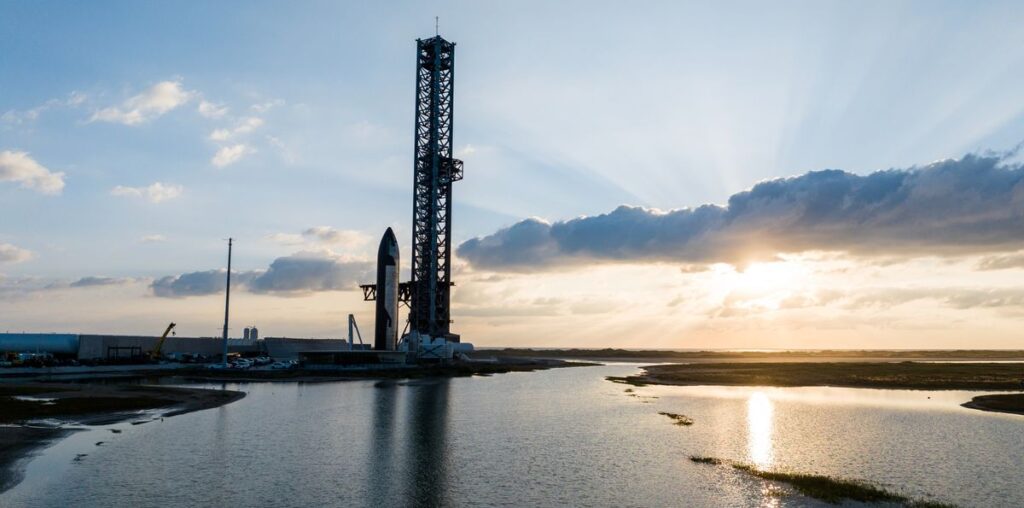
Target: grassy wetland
826,488
893,375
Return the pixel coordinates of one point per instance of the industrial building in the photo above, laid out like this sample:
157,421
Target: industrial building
88,347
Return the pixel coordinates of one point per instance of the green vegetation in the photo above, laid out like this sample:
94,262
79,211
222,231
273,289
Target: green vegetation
899,375
706,460
630,380
681,420
826,488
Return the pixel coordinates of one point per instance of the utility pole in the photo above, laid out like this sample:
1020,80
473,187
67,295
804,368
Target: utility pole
227,302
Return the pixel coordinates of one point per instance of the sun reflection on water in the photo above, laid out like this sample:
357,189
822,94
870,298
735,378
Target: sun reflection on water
760,416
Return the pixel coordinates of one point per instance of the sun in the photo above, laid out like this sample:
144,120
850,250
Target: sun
764,285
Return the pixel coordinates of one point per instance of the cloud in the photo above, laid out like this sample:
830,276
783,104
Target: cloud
14,288
230,154
263,107
326,235
152,103
73,100
194,283
20,167
307,272
246,126
958,298
329,235
300,273
155,193
17,288
153,239
966,206
13,254
286,238
85,282
1003,262
211,110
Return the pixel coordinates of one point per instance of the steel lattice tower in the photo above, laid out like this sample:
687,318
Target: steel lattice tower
434,172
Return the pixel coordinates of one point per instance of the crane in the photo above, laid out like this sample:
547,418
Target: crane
155,355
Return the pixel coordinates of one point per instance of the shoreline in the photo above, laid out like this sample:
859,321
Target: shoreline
1001,377
880,375
1008,403
83,404
99,404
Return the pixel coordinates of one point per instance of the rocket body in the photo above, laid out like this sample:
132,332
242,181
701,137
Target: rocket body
385,336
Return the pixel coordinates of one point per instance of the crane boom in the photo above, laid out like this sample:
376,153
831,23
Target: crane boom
160,343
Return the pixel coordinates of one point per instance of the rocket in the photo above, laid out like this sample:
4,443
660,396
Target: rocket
385,337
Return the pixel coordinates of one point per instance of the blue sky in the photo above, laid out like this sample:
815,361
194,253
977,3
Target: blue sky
563,109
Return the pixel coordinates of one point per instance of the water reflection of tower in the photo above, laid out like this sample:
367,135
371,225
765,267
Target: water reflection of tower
428,444
383,464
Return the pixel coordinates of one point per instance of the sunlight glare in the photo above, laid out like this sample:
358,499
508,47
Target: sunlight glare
760,415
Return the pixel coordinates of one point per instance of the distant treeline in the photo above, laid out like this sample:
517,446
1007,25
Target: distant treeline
798,353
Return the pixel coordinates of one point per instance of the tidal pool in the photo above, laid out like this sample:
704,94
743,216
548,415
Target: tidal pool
557,437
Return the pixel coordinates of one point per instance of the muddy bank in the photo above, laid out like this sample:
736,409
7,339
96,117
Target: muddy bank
712,356
17,445
890,375
503,366
1012,403
24,405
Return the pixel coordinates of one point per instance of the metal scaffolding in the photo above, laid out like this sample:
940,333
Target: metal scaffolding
434,172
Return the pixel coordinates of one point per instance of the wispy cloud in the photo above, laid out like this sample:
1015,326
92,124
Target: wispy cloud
971,205
211,110
94,281
229,155
73,100
263,107
246,126
330,235
154,193
322,235
1003,262
21,168
13,254
153,239
152,103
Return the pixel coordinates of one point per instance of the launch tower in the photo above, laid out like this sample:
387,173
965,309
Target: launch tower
434,171
428,294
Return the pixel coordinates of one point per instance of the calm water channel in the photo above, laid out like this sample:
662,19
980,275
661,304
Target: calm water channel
552,438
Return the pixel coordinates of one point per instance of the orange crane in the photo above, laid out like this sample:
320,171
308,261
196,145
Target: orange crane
155,355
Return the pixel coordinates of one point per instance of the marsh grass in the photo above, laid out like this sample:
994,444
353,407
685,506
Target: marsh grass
826,488
902,375
626,380
679,419
706,460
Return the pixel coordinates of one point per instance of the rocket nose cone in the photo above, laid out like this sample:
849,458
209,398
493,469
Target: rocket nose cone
388,243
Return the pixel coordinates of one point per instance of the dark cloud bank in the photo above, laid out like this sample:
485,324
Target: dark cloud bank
292,275
967,206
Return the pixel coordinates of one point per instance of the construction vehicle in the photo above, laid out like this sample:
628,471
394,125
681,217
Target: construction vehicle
155,355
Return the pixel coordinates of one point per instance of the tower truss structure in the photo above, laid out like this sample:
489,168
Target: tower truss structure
434,171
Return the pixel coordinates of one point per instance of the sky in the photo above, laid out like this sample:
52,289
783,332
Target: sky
795,174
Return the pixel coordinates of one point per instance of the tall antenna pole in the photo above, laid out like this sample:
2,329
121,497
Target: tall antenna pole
227,302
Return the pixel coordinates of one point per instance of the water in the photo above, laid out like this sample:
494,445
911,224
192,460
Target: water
558,437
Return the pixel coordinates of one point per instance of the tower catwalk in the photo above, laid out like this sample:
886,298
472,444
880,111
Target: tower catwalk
434,172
